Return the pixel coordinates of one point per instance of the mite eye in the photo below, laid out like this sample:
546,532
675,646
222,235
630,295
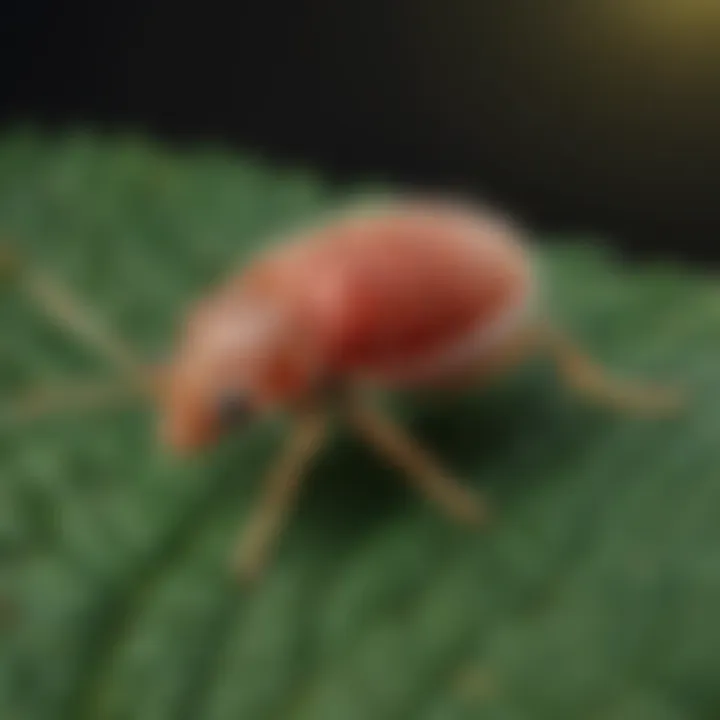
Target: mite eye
232,409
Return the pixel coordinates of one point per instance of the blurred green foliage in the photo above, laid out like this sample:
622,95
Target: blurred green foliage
594,595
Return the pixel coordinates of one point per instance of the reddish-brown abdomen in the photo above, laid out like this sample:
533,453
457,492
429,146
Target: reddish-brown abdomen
384,292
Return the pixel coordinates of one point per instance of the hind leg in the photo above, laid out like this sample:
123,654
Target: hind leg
577,370
589,379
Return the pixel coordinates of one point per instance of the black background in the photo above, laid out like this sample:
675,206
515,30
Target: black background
577,119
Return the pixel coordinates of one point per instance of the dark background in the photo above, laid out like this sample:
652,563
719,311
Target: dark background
596,116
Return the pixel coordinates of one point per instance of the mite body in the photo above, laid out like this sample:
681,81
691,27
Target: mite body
408,297
413,295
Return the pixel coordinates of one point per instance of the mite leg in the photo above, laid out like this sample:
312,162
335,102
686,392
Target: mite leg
589,379
59,304
77,397
421,470
280,493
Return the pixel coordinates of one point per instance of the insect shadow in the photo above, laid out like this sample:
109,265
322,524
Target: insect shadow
475,434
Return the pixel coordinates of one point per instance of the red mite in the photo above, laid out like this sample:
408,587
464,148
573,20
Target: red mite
413,295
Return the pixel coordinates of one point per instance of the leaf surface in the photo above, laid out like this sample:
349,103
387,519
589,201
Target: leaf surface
595,593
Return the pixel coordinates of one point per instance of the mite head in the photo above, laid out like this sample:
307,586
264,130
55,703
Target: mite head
237,360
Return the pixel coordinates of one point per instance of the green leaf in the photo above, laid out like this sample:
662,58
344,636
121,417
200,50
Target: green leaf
595,594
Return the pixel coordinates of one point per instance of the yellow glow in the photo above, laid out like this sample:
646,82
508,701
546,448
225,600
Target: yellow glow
671,17
675,42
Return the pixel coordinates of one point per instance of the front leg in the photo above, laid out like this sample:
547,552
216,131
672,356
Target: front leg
58,303
420,469
75,397
280,493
